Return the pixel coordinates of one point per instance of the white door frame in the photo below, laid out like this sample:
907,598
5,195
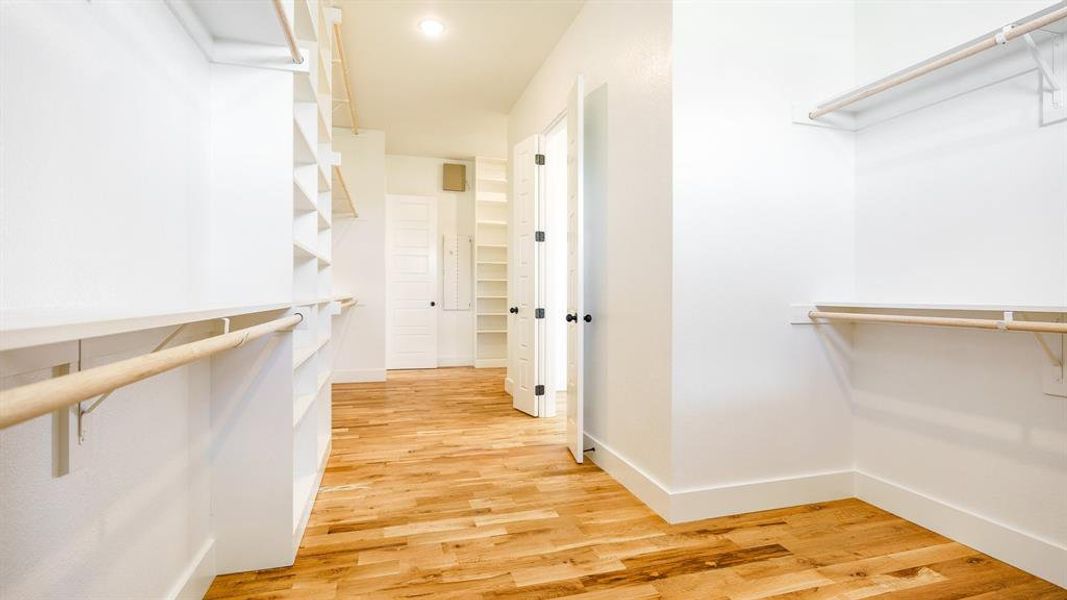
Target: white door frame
426,304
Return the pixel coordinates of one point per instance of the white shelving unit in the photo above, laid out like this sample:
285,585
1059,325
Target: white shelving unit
261,512
312,277
491,262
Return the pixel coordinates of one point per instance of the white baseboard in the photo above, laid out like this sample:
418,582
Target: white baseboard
195,580
705,503
1026,551
358,375
646,487
709,502
455,361
508,385
490,363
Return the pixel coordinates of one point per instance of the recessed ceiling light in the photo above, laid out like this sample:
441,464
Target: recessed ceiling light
431,28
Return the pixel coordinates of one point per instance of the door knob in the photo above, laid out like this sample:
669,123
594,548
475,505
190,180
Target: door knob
514,310
432,303
588,318
571,318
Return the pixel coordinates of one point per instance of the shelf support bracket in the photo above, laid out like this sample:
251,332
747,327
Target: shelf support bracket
1046,70
1055,360
83,412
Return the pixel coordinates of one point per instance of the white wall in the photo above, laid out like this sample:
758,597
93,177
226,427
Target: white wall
127,189
623,50
963,202
359,258
762,217
104,157
421,175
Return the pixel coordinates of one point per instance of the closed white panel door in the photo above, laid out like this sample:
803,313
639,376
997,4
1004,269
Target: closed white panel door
523,294
575,284
411,270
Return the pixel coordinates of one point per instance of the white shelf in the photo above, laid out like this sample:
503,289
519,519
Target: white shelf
302,355
302,406
492,245
942,307
492,331
492,314
324,218
494,223
23,328
303,91
492,262
493,197
303,251
324,176
325,133
492,279
303,152
304,402
492,297
494,179
302,201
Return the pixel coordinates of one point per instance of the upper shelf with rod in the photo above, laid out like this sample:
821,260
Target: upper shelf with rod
256,33
1015,40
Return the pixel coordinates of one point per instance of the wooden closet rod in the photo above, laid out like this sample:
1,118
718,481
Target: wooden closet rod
33,400
1005,35
340,42
994,324
287,30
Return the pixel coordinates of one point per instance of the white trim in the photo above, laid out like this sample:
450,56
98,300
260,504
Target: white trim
705,503
1026,551
197,576
646,487
490,363
1041,557
358,375
455,361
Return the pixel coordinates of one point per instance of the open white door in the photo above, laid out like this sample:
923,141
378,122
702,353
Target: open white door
411,271
575,291
523,294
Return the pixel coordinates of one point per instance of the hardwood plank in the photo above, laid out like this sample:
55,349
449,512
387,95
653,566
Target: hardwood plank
437,488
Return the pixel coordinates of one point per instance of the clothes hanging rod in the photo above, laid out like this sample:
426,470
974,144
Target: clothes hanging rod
992,40
991,324
33,400
339,41
287,31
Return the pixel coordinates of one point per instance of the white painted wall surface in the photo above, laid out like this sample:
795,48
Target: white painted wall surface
131,519
762,216
421,176
359,259
626,48
122,190
964,203
103,157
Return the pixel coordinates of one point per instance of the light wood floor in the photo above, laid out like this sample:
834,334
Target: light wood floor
438,489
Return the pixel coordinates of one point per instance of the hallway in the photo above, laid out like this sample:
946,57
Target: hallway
437,488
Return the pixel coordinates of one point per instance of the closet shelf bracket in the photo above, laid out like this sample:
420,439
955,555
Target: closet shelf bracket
1046,70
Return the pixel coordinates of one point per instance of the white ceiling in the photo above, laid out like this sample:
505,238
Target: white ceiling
447,97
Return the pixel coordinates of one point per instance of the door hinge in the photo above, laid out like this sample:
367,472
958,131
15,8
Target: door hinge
539,159
539,390
539,236
539,313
